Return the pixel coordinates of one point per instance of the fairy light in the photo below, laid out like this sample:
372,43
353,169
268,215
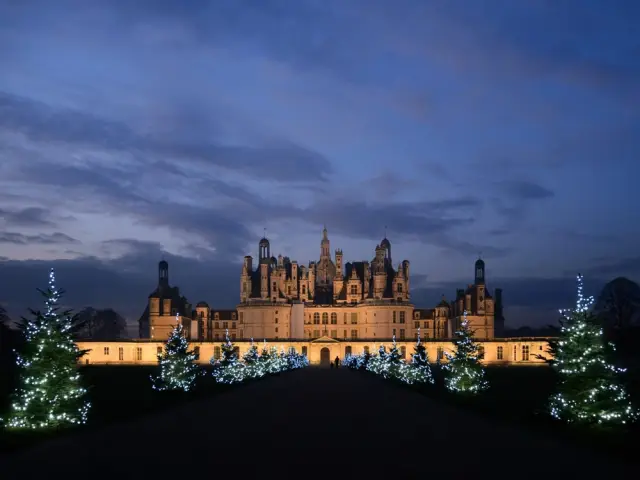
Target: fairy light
589,390
50,394
178,370
463,371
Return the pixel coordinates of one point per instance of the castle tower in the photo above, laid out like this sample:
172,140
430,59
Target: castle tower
325,244
245,279
264,250
385,245
163,275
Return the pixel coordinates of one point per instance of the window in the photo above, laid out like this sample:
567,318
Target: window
416,315
480,352
439,353
138,353
394,332
106,350
316,318
236,350
345,318
394,317
525,353
366,350
334,334
233,325
216,352
345,335
334,318
216,324
347,350
316,333
354,334
216,315
225,325
515,353
402,317
354,289
402,334
159,351
276,329
217,336
289,290
120,353
403,352
500,353
416,324
304,289
325,318
241,317
354,318
399,288
196,352
275,287
304,351
276,320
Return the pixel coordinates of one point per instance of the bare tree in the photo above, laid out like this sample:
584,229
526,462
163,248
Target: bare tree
618,304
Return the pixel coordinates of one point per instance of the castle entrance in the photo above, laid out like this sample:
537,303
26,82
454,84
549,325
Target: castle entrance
325,357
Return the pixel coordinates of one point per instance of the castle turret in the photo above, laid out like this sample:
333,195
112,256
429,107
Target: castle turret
479,272
264,281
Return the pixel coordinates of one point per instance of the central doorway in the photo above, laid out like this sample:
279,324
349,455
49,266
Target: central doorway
325,357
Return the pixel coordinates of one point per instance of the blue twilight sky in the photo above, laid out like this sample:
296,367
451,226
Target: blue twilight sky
135,130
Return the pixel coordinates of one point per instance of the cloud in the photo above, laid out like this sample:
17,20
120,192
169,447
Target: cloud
27,217
42,239
275,159
525,190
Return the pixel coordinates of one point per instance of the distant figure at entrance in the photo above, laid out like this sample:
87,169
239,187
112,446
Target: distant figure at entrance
337,362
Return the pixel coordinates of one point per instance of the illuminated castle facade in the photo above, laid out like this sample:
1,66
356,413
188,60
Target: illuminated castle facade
325,309
280,299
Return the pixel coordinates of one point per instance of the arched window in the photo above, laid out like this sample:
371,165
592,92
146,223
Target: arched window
347,350
304,351
325,318
316,318
334,318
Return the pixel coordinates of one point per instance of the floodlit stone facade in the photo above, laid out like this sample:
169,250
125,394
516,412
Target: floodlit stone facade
513,351
361,300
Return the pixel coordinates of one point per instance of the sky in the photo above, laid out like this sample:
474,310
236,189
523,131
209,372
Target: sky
136,131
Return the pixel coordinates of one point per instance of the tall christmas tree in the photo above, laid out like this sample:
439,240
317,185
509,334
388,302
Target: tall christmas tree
50,394
590,390
393,362
252,362
178,370
463,372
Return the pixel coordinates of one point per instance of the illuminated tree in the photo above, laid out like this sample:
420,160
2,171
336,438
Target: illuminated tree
590,390
419,371
463,372
251,359
229,369
50,394
178,370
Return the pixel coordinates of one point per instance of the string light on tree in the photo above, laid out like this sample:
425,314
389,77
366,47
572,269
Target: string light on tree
463,372
49,394
590,389
178,370
229,369
419,370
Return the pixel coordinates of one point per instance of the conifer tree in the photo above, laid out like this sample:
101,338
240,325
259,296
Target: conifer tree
49,394
419,371
251,358
463,372
178,370
229,369
590,389
392,363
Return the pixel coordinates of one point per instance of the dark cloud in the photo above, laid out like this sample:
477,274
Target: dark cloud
275,159
41,239
525,190
27,217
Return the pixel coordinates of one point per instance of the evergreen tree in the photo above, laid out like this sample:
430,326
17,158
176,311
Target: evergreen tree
590,390
178,370
392,363
50,394
229,369
252,363
419,371
463,372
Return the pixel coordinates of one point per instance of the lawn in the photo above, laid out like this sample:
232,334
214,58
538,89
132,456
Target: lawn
117,393
519,395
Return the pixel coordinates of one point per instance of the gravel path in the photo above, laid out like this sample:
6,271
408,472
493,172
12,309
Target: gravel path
314,423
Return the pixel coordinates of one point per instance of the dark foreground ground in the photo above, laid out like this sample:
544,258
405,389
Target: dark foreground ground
313,423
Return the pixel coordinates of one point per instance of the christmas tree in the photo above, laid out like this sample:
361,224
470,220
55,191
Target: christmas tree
50,394
376,362
229,369
392,365
178,370
463,371
254,368
590,390
419,371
